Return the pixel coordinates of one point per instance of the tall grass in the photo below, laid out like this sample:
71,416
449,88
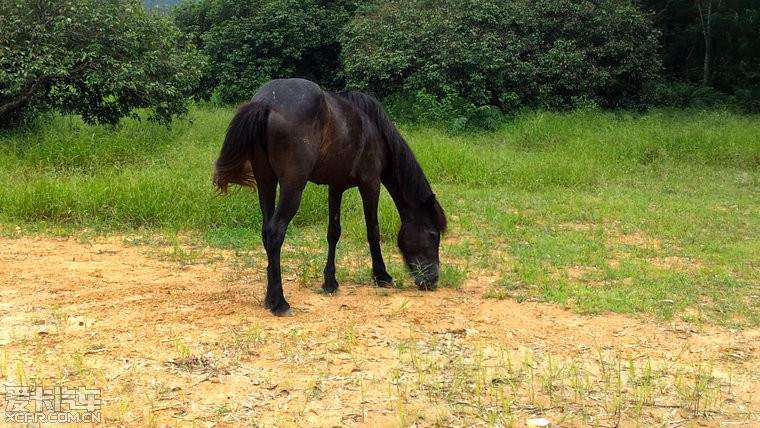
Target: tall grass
652,213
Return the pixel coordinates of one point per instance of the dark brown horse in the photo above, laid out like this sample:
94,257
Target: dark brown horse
292,132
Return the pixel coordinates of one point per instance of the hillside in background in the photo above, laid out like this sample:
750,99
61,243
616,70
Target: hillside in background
160,4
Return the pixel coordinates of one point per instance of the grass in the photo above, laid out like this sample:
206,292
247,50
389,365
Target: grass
654,213
494,383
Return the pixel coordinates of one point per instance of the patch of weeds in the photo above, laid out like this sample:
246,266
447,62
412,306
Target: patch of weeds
452,276
309,270
403,307
314,389
699,390
484,383
60,320
21,375
246,341
507,288
122,407
183,256
345,340
75,366
399,275
188,362
4,364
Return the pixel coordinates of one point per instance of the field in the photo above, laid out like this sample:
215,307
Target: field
601,270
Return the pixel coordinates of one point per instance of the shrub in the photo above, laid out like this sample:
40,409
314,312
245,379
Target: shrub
248,43
506,54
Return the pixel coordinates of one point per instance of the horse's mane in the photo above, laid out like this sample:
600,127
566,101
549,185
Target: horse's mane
407,171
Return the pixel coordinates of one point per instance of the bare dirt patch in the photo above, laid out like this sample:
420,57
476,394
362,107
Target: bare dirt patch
181,343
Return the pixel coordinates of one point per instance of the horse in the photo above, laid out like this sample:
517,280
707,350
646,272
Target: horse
292,132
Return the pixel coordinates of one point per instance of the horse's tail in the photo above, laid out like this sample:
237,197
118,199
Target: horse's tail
247,128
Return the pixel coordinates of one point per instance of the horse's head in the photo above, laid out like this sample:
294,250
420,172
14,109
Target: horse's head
419,240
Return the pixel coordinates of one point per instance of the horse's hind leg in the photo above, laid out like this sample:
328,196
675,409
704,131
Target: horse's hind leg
370,197
266,187
274,236
330,284
267,191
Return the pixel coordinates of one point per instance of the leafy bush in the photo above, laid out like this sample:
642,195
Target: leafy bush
749,99
507,54
248,43
100,59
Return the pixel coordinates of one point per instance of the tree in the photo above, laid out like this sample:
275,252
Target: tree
101,59
509,54
248,43
711,48
706,20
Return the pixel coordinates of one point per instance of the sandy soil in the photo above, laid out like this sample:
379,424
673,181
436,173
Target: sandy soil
171,343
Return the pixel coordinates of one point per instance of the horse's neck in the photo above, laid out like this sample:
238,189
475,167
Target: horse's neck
405,180
405,206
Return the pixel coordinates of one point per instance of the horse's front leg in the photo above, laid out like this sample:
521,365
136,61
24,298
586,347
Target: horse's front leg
370,197
330,284
274,236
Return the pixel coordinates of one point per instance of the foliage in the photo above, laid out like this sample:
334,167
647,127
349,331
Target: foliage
249,43
538,54
734,60
99,59
160,5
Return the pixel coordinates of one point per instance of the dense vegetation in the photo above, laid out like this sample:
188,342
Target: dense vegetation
100,59
463,62
472,60
248,43
526,53
710,50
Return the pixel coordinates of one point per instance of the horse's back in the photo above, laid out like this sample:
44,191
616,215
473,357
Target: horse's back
319,136
295,99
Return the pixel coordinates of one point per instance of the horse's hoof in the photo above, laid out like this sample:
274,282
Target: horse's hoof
427,285
285,313
384,281
330,288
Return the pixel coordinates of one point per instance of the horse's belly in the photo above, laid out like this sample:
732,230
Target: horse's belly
334,175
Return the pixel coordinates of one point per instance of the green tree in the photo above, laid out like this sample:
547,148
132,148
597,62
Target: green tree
101,59
711,47
510,54
248,43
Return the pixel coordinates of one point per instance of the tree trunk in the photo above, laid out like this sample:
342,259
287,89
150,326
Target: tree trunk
706,19
22,100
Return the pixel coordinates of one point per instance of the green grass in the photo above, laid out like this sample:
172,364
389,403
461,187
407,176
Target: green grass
655,213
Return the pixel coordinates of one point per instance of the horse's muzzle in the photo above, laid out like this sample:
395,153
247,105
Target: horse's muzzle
426,276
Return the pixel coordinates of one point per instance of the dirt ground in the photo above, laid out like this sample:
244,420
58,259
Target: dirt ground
180,343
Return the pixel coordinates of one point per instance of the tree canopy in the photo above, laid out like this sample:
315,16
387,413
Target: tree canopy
249,43
443,58
101,59
509,54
